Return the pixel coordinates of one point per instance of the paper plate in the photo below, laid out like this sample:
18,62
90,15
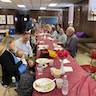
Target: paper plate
44,85
42,46
42,60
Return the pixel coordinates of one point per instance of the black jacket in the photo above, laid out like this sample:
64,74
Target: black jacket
9,68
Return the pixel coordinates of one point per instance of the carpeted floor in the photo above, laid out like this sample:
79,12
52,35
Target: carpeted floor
83,58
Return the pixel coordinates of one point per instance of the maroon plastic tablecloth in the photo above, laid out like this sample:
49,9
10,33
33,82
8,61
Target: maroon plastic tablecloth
80,83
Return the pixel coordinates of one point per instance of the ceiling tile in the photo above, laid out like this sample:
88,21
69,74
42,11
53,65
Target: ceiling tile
34,4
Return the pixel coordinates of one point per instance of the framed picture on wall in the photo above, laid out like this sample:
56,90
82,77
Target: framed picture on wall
10,19
48,19
2,19
92,10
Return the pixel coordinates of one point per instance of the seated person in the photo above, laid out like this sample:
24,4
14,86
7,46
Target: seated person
26,81
54,33
62,37
72,40
47,29
58,28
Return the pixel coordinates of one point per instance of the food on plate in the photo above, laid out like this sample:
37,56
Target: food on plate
44,86
56,72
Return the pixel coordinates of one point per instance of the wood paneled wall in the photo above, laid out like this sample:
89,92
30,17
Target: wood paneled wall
22,14
81,22
65,17
36,13
8,12
33,13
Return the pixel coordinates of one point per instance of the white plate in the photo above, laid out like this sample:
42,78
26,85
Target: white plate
43,46
42,60
44,85
58,48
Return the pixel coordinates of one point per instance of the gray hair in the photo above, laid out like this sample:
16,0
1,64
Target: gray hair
70,29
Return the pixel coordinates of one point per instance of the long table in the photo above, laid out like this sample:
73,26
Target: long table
80,83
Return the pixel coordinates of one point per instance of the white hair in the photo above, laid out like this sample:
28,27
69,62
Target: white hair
70,29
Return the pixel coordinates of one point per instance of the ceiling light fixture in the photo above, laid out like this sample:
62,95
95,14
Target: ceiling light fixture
7,1
52,4
21,6
42,8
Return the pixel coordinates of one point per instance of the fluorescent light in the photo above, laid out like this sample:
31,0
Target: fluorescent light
21,6
8,1
52,4
42,8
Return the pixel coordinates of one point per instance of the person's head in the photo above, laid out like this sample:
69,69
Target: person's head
58,26
48,28
70,31
19,53
61,31
25,36
33,32
53,28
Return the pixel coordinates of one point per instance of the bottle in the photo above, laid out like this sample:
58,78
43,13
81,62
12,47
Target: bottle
65,86
62,67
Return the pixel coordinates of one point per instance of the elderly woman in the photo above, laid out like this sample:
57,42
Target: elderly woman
62,37
48,28
72,40
54,33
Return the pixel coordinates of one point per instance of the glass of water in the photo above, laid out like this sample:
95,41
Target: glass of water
40,69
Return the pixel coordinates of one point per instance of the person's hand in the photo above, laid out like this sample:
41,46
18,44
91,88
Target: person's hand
59,43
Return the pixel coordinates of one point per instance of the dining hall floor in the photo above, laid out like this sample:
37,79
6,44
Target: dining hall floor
82,59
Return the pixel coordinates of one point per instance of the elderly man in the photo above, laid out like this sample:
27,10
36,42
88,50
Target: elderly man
24,44
72,41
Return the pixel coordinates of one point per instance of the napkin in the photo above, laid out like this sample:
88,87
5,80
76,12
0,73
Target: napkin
42,47
66,61
50,38
66,69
